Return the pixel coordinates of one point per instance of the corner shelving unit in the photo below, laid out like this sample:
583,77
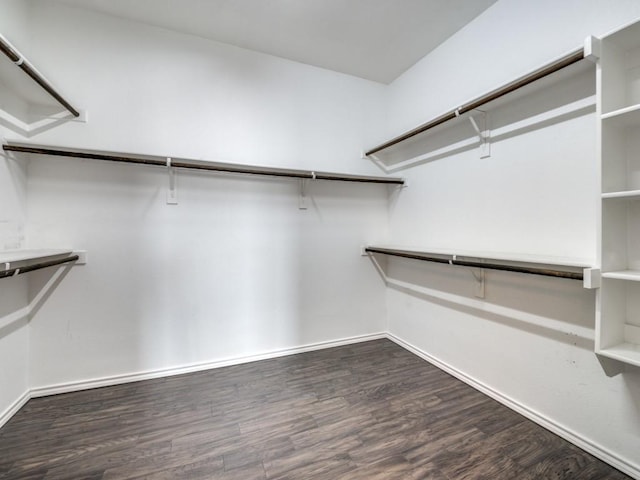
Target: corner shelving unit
618,92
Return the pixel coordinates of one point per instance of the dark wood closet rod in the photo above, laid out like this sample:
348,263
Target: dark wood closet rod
36,266
200,165
20,61
570,59
479,263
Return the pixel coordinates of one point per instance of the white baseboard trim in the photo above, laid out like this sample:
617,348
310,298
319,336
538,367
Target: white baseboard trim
14,408
195,367
622,464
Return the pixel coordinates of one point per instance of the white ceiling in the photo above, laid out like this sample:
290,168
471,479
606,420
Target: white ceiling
373,39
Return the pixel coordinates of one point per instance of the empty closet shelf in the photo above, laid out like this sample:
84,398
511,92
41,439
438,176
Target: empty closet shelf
485,99
18,59
22,261
544,267
202,165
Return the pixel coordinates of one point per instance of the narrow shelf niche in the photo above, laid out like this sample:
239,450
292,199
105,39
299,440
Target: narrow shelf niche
620,317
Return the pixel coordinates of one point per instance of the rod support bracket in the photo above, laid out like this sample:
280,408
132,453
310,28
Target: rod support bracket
172,192
480,282
481,128
302,198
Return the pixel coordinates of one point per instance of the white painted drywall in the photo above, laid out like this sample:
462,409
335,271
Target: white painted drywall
530,339
14,18
235,269
14,341
14,346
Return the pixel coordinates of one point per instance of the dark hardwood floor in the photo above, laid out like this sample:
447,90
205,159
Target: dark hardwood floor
365,411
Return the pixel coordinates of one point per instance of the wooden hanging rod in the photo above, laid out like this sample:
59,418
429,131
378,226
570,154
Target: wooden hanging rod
553,67
26,67
477,263
36,266
200,165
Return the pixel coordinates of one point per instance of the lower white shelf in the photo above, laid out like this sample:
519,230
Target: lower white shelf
14,256
623,195
624,352
15,262
632,275
624,117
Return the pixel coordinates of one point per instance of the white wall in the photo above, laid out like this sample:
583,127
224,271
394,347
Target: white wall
236,269
14,21
14,347
530,340
14,341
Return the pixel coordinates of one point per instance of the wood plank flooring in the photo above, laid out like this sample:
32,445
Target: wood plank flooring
365,411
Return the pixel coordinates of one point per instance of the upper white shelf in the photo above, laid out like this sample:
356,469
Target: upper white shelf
623,117
199,165
482,101
20,87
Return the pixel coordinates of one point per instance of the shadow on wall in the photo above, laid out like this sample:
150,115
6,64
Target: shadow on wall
631,380
556,308
23,296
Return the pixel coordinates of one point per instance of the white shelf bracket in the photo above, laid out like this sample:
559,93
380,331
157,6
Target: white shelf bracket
479,277
592,48
482,130
302,198
172,192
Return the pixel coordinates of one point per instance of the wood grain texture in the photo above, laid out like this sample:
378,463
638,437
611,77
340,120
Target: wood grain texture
365,411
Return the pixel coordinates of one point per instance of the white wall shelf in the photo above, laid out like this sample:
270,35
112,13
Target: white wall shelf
15,256
32,90
624,117
15,262
419,145
631,275
623,352
618,96
201,165
548,267
623,195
